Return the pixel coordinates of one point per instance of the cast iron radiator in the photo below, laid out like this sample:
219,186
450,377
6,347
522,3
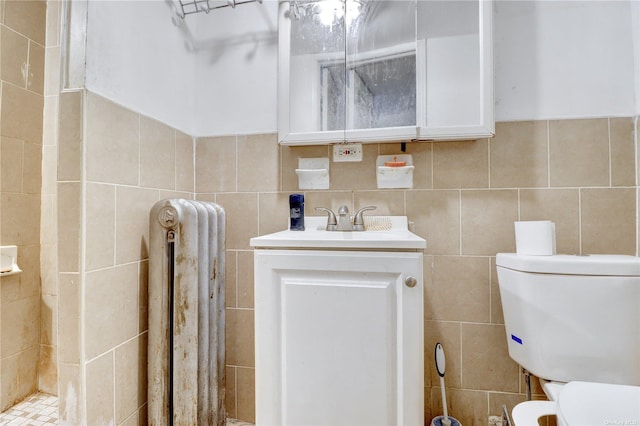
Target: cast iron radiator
186,382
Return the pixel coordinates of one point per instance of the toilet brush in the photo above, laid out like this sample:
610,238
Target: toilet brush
440,367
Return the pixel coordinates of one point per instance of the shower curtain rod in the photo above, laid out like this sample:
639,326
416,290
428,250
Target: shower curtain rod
188,7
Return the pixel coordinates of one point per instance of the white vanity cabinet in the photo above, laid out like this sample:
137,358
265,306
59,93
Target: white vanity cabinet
339,335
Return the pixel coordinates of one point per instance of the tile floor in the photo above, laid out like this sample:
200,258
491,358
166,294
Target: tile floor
41,409
38,409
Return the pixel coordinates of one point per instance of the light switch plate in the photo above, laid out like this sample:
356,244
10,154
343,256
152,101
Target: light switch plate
347,152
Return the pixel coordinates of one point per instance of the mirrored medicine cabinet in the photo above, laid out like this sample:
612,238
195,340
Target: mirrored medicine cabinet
384,70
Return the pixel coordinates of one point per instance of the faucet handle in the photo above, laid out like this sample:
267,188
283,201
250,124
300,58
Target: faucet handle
332,223
358,220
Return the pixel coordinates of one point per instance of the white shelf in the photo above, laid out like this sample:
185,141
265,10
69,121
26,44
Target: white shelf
8,261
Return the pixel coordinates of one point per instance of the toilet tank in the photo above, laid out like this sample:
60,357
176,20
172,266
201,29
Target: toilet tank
573,318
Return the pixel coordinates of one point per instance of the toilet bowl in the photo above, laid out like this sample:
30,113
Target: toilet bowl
585,404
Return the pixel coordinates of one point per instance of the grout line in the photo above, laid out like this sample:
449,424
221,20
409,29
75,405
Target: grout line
113,376
6,82
490,292
404,202
139,152
235,380
194,145
257,210
237,264
461,356
237,163
580,220
22,164
460,221
488,163
240,309
635,177
82,275
115,224
431,152
28,65
119,345
548,154
609,151
635,148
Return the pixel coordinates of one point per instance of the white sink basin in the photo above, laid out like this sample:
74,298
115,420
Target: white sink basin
315,236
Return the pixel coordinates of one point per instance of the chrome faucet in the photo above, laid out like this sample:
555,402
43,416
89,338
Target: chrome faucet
358,219
332,224
343,222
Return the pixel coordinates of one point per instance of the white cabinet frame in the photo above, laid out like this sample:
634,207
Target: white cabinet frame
483,127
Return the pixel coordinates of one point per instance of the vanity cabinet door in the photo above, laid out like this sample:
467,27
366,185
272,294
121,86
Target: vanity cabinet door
339,338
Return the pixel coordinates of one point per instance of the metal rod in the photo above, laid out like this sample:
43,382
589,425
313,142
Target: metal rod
171,271
190,7
506,420
527,381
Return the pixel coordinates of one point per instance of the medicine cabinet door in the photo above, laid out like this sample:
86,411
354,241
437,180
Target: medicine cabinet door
381,70
455,46
347,71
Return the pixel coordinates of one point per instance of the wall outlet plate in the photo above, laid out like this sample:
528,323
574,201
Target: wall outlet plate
347,152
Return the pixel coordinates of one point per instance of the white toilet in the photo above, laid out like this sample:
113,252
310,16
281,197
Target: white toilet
574,321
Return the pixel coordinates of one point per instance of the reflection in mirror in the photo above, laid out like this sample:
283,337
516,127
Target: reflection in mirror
352,64
381,64
381,93
317,39
332,98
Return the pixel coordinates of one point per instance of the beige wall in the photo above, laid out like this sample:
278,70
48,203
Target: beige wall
22,54
577,173
114,164
78,210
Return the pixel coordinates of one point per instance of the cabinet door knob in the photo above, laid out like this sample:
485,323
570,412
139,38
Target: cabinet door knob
410,282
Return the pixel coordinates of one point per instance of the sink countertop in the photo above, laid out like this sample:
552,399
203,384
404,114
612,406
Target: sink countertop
315,236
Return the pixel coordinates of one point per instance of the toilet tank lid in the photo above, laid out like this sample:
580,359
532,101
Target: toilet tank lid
595,264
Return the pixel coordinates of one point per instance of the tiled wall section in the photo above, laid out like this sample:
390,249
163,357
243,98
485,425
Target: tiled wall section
22,55
578,173
130,162
47,368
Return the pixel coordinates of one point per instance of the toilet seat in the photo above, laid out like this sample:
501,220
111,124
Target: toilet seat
528,413
585,404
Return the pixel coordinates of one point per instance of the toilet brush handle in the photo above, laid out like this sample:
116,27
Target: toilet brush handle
445,420
440,366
